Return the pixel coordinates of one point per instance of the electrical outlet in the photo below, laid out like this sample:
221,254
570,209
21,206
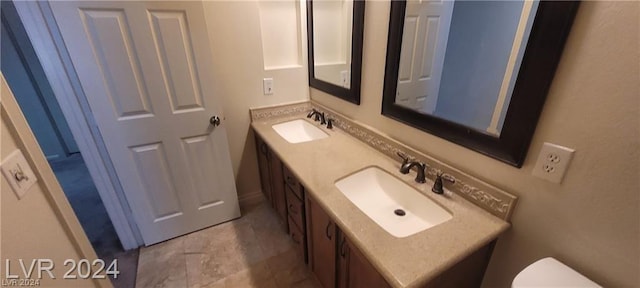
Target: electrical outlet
267,86
553,162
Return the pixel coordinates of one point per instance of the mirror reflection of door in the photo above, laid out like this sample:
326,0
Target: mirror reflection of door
332,28
424,42
459,60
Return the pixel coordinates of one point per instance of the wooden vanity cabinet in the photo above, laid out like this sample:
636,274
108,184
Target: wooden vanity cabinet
285,194
321,243
332,258
292,182
469,272
272,179
277,187
294,195
354,271
264,167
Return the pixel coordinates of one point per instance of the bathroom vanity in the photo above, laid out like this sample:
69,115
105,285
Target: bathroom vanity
368,223
322,244
342,245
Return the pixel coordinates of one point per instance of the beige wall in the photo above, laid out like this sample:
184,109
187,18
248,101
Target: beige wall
236,41
34,227
591,220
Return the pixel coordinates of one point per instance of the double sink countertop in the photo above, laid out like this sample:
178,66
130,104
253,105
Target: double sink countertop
404,262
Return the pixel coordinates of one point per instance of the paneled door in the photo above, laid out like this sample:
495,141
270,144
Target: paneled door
145,68
424,43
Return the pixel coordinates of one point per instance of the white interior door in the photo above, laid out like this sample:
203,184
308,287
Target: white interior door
145,68
424,43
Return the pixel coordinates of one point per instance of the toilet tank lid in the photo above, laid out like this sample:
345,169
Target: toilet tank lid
549,272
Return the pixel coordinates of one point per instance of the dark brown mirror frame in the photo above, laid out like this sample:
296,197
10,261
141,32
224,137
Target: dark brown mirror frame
550,29
353,94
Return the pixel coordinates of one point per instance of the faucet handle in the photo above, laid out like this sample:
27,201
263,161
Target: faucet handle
404,157
313,111
330,123
437,185
448,178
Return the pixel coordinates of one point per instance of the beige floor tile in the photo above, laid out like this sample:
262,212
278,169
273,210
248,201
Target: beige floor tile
274,239
253,251
258,276
288,268
309,282
286,260
264,218
162,265
172,245
207,240
222,261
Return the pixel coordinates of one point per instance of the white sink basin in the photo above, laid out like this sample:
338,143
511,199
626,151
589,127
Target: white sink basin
379,194
298,131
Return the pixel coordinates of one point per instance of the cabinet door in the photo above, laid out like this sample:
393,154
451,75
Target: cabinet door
321,237
263,165
277,187
355,271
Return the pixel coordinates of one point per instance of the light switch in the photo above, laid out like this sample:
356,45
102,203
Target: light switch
267,86
344,77
18,173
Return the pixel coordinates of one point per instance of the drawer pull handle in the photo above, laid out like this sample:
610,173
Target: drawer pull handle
263,148
327,231
343,250
292,210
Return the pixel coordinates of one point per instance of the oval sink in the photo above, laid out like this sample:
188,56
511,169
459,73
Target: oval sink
397,207
298,131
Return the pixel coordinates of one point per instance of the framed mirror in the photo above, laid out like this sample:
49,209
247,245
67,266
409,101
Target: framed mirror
334,33
475,73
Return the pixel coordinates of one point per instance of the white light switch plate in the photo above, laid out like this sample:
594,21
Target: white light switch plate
344,76
553,162
18,173
267,86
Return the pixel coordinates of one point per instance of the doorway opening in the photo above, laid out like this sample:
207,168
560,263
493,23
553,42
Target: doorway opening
26,78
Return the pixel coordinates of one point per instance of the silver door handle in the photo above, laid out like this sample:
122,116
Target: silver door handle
215,121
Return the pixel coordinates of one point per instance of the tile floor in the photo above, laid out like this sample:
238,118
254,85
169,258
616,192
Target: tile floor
253,251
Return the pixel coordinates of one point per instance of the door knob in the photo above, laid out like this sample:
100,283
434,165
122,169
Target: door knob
215,121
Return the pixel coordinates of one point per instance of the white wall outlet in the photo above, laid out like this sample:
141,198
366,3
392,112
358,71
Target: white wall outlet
18,173
267,85
553,162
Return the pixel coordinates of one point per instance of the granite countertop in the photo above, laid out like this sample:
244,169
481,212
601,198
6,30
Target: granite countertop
404,262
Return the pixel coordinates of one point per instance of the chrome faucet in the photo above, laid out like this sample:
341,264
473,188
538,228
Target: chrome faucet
407,165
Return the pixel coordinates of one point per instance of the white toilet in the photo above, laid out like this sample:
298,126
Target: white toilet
549,272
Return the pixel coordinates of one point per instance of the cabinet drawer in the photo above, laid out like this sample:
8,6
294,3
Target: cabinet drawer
292,181
299,239
295,209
